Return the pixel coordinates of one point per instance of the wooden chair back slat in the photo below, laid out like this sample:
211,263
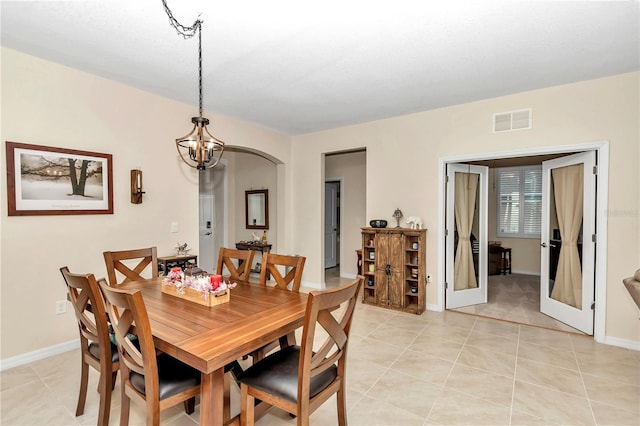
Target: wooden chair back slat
128,314
239,272
291,280
321,307
115,263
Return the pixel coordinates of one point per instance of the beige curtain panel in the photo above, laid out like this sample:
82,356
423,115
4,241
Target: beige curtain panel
568,185
464,206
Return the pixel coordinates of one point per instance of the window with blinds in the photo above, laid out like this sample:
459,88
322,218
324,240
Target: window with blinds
519,201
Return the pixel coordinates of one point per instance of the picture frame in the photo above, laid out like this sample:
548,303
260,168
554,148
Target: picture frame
45,180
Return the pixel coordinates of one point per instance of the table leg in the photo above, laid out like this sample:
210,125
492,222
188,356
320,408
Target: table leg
212,398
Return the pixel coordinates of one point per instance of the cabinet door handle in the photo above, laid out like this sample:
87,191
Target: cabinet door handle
387,269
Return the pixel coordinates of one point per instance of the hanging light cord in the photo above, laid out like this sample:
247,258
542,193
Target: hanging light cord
188,32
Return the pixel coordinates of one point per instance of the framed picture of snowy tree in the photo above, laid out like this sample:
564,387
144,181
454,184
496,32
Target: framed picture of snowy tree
44,180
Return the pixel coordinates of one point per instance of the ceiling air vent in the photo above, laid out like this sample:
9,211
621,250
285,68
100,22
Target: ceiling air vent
512,120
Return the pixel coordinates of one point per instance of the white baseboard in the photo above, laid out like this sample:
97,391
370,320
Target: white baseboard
28,357
433,307
623,343
315,286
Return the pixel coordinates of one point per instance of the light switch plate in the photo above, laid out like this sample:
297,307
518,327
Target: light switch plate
174,226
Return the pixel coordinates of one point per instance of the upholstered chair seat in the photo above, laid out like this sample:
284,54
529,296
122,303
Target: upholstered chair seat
277,374
94,349
173,377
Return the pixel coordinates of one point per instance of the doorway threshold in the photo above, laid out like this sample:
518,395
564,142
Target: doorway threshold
515,298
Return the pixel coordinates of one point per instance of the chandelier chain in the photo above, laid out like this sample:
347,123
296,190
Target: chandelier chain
200,66
188,32
199,148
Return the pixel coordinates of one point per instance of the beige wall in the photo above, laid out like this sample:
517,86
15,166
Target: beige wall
351,168
403,159
255,172
47,104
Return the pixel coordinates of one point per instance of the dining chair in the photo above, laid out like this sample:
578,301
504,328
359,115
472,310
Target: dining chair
115,261
243,258
96,349
298,379
161,381
293,266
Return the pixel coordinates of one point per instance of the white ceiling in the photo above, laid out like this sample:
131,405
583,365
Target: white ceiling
298,66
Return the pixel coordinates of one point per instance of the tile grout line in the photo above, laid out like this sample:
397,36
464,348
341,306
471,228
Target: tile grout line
453,365
515,371
584,385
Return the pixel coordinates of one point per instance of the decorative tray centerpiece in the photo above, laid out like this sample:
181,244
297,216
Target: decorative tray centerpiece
207,290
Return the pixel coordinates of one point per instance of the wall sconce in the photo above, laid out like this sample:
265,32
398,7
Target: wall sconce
136,187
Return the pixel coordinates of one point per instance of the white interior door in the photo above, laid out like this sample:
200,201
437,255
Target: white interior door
330,224
466,191
212,188
206,228
567,269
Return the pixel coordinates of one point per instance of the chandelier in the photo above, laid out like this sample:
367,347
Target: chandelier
199,148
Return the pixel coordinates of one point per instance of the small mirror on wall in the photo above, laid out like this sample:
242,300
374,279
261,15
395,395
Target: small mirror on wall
256,203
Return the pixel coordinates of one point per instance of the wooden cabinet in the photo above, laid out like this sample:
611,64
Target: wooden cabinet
393,264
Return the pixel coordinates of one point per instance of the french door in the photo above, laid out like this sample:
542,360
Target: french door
466,240
567,240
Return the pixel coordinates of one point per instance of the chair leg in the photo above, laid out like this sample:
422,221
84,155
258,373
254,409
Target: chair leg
84,381
247,406
257,355
226,405
104,390
342,406
190,405
124,408
303,415
287,340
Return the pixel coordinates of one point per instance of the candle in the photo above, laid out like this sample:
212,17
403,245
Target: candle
215,281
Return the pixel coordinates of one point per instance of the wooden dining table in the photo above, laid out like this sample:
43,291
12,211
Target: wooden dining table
208,338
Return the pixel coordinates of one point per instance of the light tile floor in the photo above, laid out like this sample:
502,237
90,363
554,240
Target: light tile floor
438,368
